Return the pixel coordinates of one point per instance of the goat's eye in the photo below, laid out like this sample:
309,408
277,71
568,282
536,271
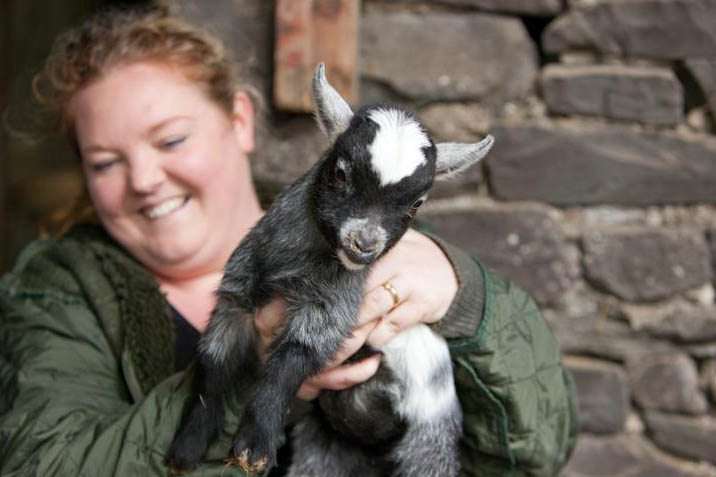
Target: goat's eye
339,173
415,206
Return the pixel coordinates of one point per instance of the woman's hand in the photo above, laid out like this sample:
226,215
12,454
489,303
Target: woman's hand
336,376
425,284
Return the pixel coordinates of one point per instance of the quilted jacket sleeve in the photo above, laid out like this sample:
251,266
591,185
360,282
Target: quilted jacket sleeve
66,407
519,403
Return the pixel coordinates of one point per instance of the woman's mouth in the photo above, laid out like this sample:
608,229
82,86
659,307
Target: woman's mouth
166,207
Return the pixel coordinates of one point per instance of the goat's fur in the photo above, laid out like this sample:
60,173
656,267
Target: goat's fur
313,248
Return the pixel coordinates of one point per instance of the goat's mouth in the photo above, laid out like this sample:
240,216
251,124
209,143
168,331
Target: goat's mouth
356,260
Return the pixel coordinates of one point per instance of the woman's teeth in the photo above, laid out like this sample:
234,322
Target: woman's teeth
165,207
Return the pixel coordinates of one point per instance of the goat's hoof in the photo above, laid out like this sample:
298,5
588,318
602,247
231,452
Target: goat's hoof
252,458
242,461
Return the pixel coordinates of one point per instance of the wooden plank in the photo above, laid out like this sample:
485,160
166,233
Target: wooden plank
310,31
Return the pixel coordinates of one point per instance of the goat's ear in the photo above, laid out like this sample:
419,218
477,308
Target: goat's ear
332,111
454,157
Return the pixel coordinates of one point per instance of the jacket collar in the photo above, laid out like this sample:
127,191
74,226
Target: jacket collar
140,324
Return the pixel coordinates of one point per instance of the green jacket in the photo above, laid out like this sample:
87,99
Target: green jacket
88,386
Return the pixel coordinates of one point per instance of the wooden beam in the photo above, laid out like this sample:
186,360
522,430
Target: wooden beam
310,31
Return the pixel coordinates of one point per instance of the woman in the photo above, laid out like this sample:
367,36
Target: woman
99,326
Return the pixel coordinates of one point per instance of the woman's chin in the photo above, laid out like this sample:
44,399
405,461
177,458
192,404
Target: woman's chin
173,259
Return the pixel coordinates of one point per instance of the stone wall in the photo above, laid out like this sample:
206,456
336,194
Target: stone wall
599,197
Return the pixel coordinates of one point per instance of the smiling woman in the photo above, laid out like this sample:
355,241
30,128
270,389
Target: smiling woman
166,168
99,326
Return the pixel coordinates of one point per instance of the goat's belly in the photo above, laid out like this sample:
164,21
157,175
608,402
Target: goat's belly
365,413
414,385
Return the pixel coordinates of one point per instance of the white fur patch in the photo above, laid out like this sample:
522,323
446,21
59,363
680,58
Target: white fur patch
396,148
218,340
415,355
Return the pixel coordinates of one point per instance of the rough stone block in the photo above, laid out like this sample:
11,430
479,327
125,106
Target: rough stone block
310,31
644,28
576,163
519,7
708,378
457,122
666,382
603,395
448,55
244,26
646,264
465,122
521,242
292,146
704,70
647,95
602,337
624,455
676,320
712,247
691,437
701,350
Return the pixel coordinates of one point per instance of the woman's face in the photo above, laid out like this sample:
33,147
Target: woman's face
166,167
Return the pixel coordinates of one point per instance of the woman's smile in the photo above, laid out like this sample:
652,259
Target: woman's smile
164,208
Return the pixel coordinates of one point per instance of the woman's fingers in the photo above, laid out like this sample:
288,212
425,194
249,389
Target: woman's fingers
340,377
353,343
383,298
403,316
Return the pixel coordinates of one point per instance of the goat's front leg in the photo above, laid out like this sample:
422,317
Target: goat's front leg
311,337
226,355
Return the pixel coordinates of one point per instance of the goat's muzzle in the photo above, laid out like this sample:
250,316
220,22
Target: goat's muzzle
364,246
362,241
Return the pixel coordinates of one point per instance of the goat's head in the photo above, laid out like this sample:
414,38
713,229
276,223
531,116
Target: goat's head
376,172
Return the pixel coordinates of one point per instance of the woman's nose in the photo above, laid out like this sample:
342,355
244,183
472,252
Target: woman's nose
145,173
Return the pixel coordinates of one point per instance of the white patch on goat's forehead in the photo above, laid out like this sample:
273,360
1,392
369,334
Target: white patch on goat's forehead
396,149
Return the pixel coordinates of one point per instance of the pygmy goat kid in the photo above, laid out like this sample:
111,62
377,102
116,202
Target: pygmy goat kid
314,247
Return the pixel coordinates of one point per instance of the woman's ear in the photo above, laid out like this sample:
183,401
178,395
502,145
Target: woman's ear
243,121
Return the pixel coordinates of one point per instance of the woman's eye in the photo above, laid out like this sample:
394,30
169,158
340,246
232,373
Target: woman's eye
103,165
172,142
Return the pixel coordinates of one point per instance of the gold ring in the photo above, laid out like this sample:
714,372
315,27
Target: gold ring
393,292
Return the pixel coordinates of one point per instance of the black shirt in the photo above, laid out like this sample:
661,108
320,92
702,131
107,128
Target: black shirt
187,341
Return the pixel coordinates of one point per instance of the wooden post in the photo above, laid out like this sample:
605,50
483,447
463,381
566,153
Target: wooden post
310,31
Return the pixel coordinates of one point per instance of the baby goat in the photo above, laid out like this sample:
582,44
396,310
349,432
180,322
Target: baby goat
313,248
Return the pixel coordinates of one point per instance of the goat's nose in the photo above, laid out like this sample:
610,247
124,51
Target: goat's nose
365,243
